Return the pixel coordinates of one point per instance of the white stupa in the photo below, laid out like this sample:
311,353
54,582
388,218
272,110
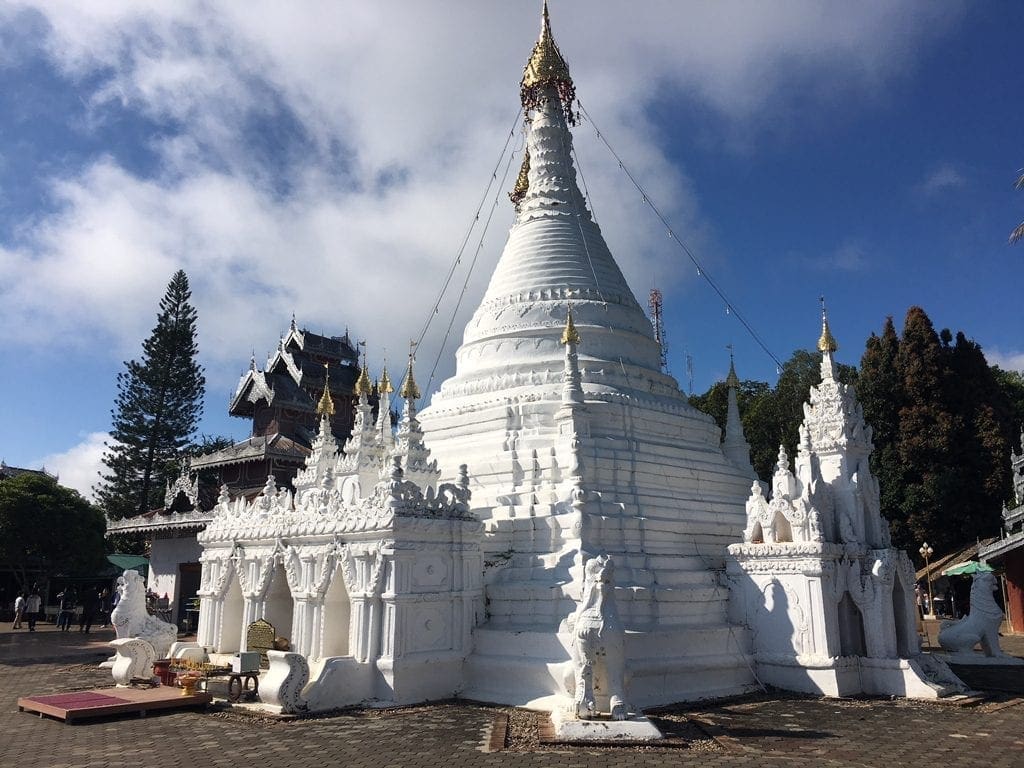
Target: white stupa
579,445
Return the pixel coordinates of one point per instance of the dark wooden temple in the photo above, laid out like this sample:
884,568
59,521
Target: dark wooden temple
281,403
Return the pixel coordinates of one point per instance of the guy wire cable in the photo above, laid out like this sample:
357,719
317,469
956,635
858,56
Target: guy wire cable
469,273
729,306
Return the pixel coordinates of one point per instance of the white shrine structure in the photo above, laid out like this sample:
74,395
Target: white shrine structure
830,602
579,564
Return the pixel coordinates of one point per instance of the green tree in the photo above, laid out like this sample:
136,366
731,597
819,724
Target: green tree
158,406
1011,384
941,423
47,529
771,417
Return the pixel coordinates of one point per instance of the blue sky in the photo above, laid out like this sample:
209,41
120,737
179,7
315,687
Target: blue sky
328,158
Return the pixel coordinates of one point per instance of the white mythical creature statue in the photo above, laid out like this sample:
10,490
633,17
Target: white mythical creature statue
981,625
131,619
598,638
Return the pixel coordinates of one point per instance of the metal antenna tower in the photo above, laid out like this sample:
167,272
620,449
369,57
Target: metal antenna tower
658,323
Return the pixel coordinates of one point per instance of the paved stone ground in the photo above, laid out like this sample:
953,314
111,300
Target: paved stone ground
762,730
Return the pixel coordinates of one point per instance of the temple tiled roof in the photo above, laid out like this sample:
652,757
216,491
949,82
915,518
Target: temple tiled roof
295,371
274,446
158,520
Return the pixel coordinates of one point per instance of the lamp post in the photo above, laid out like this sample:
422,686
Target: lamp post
926,552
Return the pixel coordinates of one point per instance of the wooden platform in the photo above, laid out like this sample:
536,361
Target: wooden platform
103,702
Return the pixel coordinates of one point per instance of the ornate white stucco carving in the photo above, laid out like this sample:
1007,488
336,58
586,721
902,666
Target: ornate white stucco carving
829,601
281,688
133,659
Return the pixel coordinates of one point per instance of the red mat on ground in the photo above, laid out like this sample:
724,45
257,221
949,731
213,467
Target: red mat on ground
78,700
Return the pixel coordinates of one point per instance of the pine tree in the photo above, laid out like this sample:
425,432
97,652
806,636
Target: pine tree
158,407
941,431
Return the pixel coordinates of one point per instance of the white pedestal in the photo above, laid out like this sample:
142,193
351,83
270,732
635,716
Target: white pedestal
634,728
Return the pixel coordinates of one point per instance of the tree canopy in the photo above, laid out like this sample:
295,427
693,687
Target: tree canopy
771,416
47,529
158,407
942,430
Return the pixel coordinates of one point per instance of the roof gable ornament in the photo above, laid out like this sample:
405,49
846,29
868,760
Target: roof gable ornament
545,69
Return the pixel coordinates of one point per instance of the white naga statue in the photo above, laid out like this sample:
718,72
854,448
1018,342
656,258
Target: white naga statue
598,638
131,619
981,625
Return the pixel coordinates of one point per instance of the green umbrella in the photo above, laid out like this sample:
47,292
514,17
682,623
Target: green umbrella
968,568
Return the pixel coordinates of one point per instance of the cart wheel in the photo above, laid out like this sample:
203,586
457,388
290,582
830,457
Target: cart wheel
234,689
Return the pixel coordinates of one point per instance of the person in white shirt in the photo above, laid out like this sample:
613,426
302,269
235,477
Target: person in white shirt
32,605
19,610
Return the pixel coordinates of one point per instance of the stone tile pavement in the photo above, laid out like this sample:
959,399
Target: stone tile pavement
754,731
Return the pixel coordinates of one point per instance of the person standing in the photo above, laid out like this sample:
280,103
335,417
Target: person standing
66,605
33,603
90,599
105,606
19,610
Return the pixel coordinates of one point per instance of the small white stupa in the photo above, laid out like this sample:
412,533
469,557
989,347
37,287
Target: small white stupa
830,602
582,446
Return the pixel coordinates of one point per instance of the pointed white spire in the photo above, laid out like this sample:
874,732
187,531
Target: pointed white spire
735,445
826,345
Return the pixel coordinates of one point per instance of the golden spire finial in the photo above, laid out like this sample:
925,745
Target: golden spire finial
827,342
325,407
384,387
570,335
732,380
546,67
363,386
409,389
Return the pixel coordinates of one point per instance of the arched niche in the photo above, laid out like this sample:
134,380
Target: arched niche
851,628
337,617
278,603
231,616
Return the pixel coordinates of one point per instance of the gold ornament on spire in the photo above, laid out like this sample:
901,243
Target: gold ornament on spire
363,385
827,342
409,389
522,182
732,380
325,407
570,335
385,388
547,69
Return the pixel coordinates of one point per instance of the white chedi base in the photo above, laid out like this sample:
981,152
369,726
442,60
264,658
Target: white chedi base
636,727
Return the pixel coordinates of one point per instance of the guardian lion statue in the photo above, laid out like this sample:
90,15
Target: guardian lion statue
981,625
131,619
598,646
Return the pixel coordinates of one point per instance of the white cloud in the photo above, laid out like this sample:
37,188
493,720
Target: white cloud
1009,360
395,113
79,465
943,178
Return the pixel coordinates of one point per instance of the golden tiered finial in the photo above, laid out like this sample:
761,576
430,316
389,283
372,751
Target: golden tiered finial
523,181
326,405
384,387
570,335
409,390
732,380
827,342
363,385
547,68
